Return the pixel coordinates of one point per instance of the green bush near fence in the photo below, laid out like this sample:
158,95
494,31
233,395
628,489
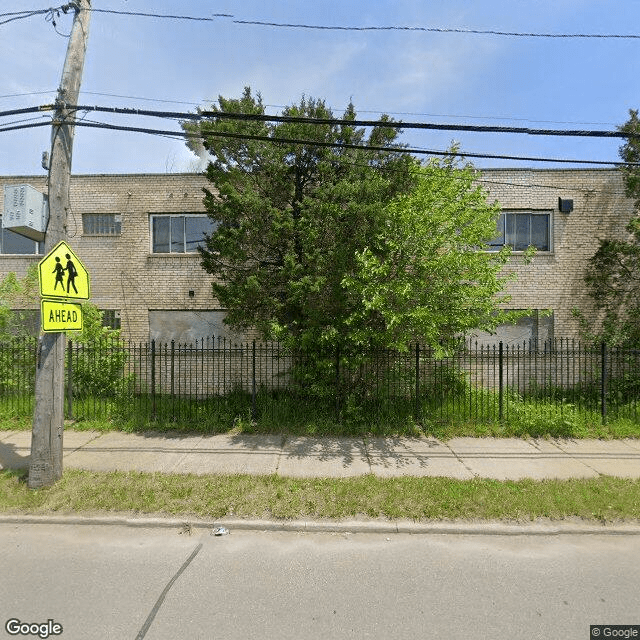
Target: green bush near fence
383,395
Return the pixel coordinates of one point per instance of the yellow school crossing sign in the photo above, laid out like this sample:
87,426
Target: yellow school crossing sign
62,274
63,278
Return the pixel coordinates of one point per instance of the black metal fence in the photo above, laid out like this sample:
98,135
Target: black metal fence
217,380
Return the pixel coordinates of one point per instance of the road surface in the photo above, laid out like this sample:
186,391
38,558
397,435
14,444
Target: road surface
125,582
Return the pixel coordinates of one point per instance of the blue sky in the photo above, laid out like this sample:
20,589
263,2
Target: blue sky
414,76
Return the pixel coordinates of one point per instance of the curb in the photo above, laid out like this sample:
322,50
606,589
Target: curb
535,528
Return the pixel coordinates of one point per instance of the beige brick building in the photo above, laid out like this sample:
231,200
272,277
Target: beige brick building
137,236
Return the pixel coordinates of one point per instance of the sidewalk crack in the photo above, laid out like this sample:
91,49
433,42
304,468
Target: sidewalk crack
460,460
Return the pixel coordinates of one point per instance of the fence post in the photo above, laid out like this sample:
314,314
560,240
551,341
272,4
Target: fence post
603,382
153,380
253,382
69,380
173,367
417,381
500,381
337,380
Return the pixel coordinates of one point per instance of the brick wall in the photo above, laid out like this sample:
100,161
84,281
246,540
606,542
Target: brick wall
554,280
127,276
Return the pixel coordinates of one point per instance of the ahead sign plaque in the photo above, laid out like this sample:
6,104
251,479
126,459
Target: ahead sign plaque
60,316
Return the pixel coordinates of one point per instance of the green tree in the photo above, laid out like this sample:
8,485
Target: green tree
291,216
18,301
425,277
319,244
613,272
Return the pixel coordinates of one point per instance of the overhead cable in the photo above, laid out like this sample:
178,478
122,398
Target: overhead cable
50,13
344,145
212,18
398,113
221,115
16,112
296,141
491,32
287,25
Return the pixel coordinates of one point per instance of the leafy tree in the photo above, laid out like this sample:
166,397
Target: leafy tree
18,301
292,215
424,276
319,244
613,272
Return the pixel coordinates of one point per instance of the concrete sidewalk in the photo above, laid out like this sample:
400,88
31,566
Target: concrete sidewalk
463,458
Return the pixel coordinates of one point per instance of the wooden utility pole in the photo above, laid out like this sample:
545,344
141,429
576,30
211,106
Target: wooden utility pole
45,466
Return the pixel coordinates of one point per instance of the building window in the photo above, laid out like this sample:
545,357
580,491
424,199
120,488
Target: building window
111,318
179,233
101,224
523,229
533,331
14,243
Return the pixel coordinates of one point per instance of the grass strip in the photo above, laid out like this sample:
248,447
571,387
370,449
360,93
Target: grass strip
605,499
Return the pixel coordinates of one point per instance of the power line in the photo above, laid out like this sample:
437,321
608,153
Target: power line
286,25
5,124
489,181
371,123
26,126
399,125
28,93
392,113
20,15
115,95
165,16
220,115
396,113
491,32
343,145
50,13
22,111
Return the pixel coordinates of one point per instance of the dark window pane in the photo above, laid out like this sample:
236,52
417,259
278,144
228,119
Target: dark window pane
540,232
497,242
101,224
510,230
177,234
522,232
15,243
111,318
161,234
195,228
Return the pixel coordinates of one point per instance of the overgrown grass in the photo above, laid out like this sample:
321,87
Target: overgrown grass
604,499
474,413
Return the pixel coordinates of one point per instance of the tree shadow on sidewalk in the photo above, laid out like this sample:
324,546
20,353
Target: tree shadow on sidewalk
11,459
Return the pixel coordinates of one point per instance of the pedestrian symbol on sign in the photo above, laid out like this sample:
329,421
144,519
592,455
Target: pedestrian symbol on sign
71,273
58,270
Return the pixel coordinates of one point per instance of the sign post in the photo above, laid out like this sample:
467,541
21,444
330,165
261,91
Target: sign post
64,281
45,465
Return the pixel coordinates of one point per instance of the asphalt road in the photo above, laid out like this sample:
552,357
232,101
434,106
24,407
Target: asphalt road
120,582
